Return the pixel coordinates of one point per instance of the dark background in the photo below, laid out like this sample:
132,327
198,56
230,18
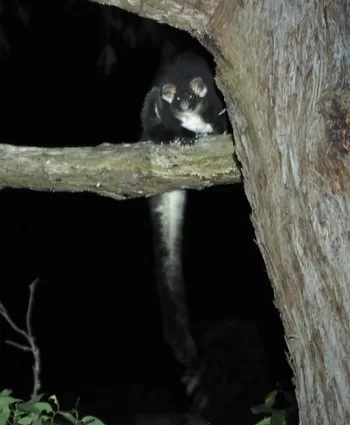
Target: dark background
96,313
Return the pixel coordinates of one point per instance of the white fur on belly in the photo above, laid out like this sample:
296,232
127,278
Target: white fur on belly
194,122
171,210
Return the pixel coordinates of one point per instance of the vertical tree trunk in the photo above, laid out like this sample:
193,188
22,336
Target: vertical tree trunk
284,69
285,73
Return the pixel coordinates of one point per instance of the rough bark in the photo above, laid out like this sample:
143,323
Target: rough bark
296,177
284,67
119,171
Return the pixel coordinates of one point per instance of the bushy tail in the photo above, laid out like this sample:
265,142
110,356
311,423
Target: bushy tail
167,212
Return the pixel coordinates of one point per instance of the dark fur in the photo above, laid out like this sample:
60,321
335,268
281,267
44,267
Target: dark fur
163,126
180,71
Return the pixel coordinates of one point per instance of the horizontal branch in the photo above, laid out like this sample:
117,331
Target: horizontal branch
190,15
120,170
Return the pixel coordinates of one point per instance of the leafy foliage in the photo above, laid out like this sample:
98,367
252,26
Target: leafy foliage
14,411
282,416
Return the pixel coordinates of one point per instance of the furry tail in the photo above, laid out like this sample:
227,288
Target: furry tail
167,212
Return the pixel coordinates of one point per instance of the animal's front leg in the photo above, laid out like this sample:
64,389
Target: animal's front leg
187,139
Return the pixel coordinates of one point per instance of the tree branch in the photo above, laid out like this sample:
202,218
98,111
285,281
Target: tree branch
28,335
120,171
181,14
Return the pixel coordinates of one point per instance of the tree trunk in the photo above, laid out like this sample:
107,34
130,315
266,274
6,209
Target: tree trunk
287,62
283,67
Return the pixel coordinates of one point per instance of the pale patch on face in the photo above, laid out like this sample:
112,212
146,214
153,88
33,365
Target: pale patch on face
196,85
189,119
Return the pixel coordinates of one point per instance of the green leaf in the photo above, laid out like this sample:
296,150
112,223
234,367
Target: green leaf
42,419
92,420
271,398
69,417
29,406
7,400
278,419
44,406
192,384
265,421
24,420
262,408
4,417
5,392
